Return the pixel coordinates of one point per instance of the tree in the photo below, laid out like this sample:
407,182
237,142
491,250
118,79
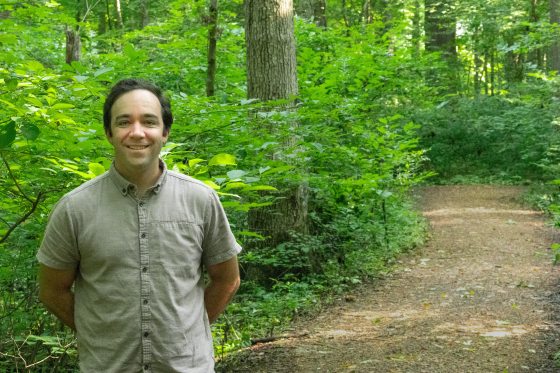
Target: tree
272,75
118,14
212,41
440,29
144,13
555,47
73,40
271,49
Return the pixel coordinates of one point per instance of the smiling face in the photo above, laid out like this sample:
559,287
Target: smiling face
137,133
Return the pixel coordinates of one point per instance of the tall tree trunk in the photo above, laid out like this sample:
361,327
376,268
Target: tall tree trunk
320,13
118,14
109,17
272,74
554,59
144,13
537,54
271,49
73,42
345,13
440,28
212,42
73,45
417,27
367,12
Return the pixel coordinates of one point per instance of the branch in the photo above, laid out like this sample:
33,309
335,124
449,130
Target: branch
14,178
35,203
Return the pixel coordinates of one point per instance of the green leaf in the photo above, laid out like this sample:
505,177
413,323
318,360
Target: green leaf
30,131
250,234
8,39
262,187
236,174
7,134
222,159
96,168
34,101
62,105
102,71
211,184
11,83
194,162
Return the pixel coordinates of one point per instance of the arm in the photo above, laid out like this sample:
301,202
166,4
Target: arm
224,282
55,292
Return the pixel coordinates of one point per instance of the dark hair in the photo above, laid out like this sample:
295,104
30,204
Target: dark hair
127,85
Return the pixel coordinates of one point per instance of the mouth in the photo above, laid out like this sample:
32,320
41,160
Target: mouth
137,147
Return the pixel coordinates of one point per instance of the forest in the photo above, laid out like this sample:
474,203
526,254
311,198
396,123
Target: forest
314,120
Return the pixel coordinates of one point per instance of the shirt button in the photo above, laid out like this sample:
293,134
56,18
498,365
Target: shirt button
143,235
145,301
141,204
144,269
124,190
146,367
146,334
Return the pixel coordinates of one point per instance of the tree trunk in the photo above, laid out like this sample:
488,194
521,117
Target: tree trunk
144,14
271,49
440,28
118,13
272,74
320,13
109,17
73,45
417,27
212,42
73,42
554,64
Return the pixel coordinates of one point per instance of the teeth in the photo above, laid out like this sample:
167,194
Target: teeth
137,147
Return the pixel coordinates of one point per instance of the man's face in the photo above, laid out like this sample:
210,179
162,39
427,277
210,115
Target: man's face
137,131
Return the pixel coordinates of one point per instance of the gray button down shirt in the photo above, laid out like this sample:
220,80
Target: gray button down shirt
139,294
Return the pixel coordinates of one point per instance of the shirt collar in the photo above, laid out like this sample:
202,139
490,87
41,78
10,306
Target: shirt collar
125,186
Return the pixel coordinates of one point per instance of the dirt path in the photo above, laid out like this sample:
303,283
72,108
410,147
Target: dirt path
481,296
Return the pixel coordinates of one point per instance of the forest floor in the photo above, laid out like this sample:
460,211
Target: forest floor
480,296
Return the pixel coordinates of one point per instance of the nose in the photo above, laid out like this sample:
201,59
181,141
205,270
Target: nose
136,130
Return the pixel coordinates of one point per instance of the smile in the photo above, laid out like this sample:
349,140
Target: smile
137,147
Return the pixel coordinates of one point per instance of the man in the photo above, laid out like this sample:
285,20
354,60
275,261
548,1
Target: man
121,259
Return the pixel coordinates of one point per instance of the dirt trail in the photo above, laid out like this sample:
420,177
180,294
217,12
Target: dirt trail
481,296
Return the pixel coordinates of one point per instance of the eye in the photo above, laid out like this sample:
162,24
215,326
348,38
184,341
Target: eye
151,122
122,123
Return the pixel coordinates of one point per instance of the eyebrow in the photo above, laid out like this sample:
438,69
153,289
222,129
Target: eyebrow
143,116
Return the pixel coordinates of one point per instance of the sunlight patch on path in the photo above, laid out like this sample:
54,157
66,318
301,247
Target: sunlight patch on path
477,210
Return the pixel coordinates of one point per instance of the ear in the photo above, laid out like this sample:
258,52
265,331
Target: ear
109,136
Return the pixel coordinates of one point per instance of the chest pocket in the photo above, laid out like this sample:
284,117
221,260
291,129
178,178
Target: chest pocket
175,244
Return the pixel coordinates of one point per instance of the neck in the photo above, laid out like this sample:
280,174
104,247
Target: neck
143,178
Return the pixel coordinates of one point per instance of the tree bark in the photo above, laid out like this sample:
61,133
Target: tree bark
73,42
271,49
118,14
73,45
109,17
440,29
144,13
271,75
320,13
212,43
554,59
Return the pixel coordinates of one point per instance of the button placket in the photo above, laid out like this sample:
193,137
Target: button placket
144,284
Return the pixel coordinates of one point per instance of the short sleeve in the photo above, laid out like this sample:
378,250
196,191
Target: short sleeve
219,244
59,248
